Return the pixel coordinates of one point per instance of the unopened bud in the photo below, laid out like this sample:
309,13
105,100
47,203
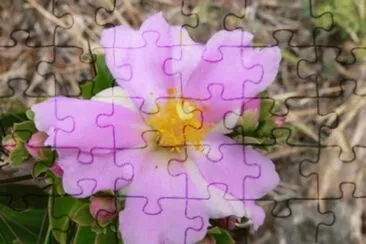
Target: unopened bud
228,222
103,208
280,121
9,144
36,144
57,170
253,106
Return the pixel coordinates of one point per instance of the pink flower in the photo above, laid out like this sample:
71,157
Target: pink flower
159,136
35,144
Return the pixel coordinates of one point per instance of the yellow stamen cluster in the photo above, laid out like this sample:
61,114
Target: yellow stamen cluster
178,124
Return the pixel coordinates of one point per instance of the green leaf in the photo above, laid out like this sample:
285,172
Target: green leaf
48,155
214,230
82,216
221,236
84,235
21,226
108,237
101,81
60,210
24,130
8,120
19,155
20,197
29,114
266,108
38,169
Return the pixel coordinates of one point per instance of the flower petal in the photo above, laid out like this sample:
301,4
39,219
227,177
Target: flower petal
138,62
87,125
156,204
229,71
172,225
156,173
246,173
107,171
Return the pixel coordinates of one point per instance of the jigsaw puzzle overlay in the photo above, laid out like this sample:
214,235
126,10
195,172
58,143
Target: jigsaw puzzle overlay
178,121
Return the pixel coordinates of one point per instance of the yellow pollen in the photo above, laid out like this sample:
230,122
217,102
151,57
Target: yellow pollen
178,124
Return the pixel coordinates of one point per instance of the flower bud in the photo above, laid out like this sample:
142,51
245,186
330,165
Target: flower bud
252,106
103,208
9,144
36,144
280,121
251,112
57,170
228,222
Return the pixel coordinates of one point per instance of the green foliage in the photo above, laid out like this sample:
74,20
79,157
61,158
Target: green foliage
101,81
221,236
21,133
24,130
20,197
22,213
19,155
71,221
8,120
345,16
21,226
258,130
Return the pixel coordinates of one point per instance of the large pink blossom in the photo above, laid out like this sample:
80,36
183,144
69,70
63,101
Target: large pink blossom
159,138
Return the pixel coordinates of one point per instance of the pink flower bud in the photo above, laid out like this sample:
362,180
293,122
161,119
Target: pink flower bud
280,120
103,208
57,170
228,222
36,144
9,144
253,106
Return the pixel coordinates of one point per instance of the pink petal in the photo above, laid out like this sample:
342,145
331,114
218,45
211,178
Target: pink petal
107,171
246,173
87,125
174,224
156,179
229,71
156,204
137,58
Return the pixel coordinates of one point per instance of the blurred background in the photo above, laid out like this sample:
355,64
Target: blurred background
46,49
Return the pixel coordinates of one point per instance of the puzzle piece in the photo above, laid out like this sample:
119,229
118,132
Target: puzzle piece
306,72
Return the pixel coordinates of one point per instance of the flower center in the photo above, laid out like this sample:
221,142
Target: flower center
179,122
